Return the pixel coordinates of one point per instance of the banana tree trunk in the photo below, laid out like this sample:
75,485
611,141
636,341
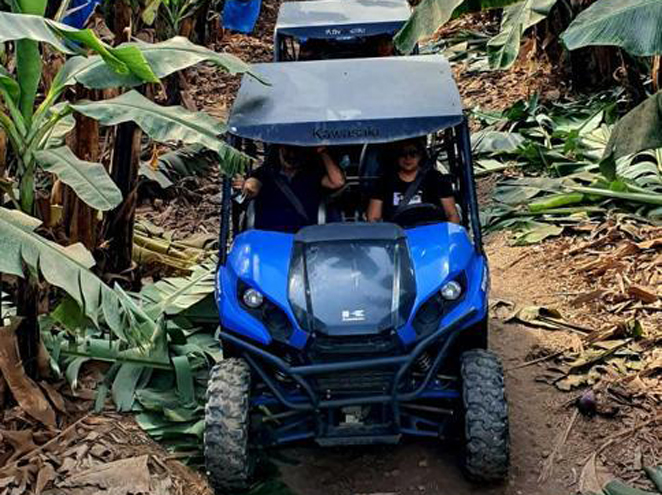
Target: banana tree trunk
186,27
27,306
78,219
201,24
124,171
124,168
632,79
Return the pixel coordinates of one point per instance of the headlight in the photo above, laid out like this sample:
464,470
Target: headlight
451,291
252,298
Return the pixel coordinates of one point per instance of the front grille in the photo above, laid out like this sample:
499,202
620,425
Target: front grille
324,349
361,381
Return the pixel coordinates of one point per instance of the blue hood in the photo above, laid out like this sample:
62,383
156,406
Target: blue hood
261,259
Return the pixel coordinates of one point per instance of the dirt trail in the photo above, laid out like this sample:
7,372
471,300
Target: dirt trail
537,418
538,412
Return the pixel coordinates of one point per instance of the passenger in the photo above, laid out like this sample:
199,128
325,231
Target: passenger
383,46
289,189
313,49
433,188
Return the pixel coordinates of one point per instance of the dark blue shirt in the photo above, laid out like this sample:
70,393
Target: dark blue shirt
273,211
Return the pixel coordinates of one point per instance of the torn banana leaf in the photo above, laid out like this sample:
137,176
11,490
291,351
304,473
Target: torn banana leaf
537,233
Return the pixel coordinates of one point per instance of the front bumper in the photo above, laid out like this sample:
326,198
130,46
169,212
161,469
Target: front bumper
312,399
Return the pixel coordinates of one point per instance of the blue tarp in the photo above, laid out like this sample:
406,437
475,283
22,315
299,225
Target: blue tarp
241,15
80,12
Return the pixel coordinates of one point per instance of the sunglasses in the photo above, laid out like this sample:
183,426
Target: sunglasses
409,153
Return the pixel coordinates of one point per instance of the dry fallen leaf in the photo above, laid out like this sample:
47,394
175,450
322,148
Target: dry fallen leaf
21,441
25,391
125,476
593,476
651,244
642,293
45,476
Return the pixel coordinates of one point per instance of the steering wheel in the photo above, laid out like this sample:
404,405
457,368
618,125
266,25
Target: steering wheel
417,214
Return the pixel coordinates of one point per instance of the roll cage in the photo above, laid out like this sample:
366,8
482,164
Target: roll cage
347,111
340,28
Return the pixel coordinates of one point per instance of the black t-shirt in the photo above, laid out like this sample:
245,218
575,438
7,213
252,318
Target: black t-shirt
391,190
273,211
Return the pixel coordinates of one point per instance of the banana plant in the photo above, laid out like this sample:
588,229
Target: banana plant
34,134
127,65
172,12
430,15
504,47
634,26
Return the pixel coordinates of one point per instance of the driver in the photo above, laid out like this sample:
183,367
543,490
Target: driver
395,187
289,189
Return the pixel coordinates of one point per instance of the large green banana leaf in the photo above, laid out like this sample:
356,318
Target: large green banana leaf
164,58
65,267
124,60
57,136
165,124
89,180
69,269
634,25
171,296
504,47
639,130
427,17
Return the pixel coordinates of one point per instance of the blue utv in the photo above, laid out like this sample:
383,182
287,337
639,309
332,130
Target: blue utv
349,332
333,29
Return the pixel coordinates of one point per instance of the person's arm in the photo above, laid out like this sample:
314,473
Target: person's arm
334,178
445,192
375,208
251,186
448,204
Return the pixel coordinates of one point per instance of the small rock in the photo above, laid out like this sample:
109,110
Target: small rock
421,488
545,453
423,463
